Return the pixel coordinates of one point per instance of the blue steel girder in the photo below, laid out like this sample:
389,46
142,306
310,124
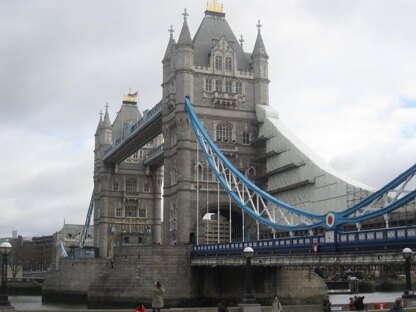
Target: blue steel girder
277,214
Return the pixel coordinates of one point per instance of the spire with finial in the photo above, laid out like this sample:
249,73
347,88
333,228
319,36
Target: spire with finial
241,40
185,15
106,122
185,35
259,48
171,30
171,44
259,26
99,122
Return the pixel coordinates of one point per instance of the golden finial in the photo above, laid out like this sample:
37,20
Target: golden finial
131,97
214,6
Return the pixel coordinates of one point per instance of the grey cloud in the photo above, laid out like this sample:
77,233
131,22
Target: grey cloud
61,62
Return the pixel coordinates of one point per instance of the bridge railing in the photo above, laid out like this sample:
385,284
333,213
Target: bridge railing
369,236
377,240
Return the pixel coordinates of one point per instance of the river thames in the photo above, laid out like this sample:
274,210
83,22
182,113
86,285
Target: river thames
32,303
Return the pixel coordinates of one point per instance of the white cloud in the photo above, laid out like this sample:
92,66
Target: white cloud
340,73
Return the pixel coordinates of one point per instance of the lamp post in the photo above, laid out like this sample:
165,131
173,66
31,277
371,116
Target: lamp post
5,250
248,253
407,255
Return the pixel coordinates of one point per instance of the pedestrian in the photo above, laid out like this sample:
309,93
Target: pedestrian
137,309
222,307
276,306
359,303
140,308
327,304
398,305
157,299
351,304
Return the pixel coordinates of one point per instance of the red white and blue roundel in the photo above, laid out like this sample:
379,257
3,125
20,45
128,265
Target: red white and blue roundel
330,219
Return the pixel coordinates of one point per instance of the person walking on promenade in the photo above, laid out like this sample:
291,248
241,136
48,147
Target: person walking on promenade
276,306
351,304
397,306
327,304
359,303
222,307
157,299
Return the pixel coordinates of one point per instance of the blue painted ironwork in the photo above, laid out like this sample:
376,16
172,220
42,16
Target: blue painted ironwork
391,240
259,203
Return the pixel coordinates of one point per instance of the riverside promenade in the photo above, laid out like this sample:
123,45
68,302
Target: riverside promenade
293,308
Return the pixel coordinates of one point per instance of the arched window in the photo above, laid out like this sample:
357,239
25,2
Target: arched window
173,176
142,207
131,210
246,137
239,88
199,172
224,133
218,85
228,64
250,172
208,173
229,86
218,62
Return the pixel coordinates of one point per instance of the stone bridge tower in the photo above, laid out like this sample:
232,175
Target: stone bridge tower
127,195
224,84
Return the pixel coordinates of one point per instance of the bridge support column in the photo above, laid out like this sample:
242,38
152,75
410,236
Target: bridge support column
157,207
300,286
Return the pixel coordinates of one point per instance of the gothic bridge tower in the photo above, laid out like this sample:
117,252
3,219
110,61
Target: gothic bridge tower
127,196
224,83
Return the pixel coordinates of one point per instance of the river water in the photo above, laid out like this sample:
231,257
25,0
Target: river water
31,303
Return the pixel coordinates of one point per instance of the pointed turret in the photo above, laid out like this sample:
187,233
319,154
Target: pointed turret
170,47
213,27
185,35
97,132
127,116
168,61
259,48
106,124
106,128
259,59
97,136
184,62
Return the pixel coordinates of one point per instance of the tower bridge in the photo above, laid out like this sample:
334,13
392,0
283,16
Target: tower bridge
231,175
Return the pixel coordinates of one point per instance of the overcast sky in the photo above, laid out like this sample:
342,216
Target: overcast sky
343,78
